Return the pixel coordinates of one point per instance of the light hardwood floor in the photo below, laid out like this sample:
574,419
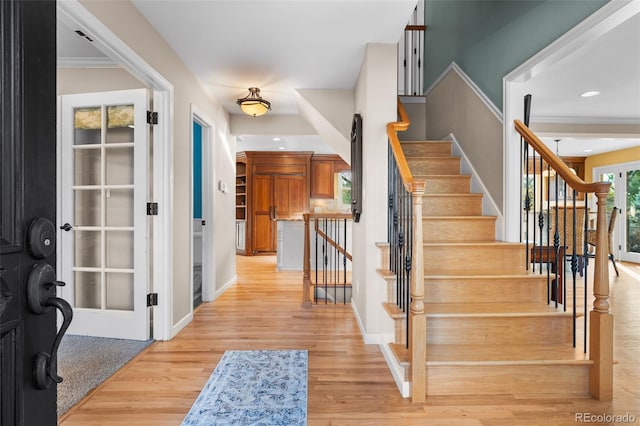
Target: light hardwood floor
349,383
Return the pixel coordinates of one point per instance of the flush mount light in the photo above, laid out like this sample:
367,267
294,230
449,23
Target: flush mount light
253,104
588,150
590,94
276,139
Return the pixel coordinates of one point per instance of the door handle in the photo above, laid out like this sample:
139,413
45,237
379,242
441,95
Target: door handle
66,227
39,285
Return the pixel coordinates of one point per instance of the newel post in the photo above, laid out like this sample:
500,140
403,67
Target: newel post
417,318
601,328
306,275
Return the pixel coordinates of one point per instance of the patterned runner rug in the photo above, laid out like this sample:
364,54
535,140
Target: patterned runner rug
254,388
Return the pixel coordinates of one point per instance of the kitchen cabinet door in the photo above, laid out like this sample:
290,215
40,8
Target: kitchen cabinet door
263,234
290,196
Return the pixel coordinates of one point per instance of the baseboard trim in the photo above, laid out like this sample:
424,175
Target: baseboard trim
383,340
177,328
219,292
397,371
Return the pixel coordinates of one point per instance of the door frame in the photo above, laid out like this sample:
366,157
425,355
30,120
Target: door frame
161,247
208,174
620,229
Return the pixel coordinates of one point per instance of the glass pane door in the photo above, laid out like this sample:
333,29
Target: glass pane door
631,249
104,140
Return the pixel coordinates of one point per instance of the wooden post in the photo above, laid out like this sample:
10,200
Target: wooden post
306,274
417,318
601,321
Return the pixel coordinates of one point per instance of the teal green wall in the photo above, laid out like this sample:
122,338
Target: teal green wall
488,39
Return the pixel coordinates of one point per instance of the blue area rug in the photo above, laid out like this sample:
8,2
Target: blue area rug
254,388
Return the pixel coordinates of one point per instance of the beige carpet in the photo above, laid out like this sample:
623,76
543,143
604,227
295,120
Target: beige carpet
84,362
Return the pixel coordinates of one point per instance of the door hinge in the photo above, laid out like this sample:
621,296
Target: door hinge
152,299
152,209
152,117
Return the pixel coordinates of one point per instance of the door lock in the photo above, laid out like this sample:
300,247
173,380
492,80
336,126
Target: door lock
41,238
40,299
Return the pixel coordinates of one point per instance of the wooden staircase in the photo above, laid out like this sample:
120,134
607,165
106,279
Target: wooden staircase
489,327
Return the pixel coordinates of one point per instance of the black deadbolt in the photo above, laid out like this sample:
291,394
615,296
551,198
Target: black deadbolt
41,238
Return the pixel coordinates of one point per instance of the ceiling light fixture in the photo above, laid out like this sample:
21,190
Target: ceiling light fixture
590,94
253,104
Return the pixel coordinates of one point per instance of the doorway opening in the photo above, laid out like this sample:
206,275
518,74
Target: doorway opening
624,193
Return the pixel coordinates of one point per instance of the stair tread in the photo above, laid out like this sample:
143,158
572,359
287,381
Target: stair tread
469,194
525,275
433,142
504,244
436,175
477,217
486,354
394,311
491,309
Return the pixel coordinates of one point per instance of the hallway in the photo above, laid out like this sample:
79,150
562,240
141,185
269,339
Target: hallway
349,382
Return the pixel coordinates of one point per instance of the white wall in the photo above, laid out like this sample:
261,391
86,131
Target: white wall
124,20
375,100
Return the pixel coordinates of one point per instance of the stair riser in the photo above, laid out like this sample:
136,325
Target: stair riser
544,381
448,185
456,230
508,330
473,260
434,166
452,206
503,290
427,149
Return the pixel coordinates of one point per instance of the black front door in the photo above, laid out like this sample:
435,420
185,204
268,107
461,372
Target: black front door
27,213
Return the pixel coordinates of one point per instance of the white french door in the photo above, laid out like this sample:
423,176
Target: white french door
104,141
625,194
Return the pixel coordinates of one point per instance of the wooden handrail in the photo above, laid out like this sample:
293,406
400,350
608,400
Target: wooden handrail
306,266
415,28
392,133
557,164
417,338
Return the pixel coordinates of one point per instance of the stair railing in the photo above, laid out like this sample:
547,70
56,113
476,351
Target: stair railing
410,55
555,221
406,251
327,258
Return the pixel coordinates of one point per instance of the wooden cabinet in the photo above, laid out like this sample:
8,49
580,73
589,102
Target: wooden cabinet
323,170
277,189
241,205
322,179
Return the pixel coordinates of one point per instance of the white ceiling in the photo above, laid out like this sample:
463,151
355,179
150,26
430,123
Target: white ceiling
283,45
609,64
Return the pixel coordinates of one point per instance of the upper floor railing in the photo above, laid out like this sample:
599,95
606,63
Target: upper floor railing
410,55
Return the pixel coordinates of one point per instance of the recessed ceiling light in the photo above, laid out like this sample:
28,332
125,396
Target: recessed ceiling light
281,147
590,94
276,139
588,150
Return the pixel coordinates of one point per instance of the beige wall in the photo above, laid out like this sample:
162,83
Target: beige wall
375,100
453,107
135,31
609,158
417,130
70,81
